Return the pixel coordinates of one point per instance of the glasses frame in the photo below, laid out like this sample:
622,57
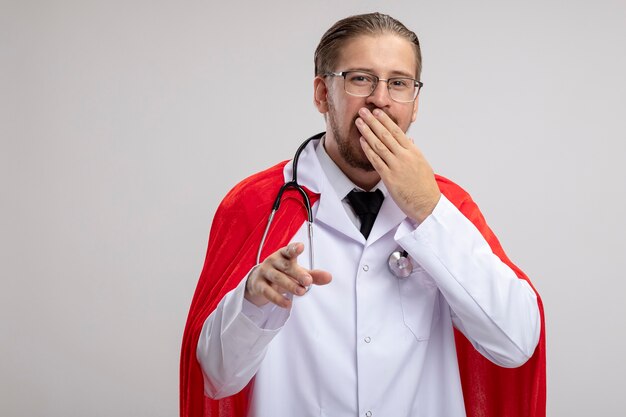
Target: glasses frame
377,79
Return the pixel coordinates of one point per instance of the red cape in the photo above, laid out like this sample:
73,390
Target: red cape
488,390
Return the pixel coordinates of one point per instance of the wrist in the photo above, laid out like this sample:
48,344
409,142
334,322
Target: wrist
422,211
257,299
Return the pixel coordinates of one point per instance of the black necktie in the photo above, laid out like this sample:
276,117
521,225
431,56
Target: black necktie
366,206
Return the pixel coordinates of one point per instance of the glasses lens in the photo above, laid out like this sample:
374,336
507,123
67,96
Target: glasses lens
359,83
402,89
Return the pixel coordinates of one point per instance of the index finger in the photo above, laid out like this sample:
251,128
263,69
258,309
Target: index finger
392,127
291,269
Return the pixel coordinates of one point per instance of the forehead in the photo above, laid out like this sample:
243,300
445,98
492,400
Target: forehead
385,55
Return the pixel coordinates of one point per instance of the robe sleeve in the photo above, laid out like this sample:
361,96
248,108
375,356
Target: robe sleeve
234,239
490,390
492,307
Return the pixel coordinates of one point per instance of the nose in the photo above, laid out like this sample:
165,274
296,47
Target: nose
380,96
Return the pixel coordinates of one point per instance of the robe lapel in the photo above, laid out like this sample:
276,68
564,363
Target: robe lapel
389,217
332,213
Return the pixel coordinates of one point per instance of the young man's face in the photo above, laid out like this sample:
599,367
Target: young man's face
385,56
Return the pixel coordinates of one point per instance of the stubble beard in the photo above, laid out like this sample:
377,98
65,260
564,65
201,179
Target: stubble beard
350,150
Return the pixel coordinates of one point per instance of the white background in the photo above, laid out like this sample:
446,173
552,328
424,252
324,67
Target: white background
124,123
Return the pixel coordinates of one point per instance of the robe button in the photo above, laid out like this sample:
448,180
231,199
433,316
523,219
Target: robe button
366,268
368,414
367,340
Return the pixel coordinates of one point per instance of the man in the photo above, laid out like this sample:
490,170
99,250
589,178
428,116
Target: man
367,339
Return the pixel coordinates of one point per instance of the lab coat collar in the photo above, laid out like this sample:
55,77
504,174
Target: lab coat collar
330,209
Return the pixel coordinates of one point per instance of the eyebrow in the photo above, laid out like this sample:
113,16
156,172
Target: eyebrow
394,73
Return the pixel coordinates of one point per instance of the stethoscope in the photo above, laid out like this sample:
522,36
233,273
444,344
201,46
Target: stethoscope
399,263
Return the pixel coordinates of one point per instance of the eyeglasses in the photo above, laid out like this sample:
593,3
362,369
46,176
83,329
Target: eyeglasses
363,84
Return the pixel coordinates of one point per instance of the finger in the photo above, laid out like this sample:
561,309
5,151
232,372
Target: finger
260,291
282,281
274,296
374,141
392,128
292,250
388,133
377,162
291,268
320,277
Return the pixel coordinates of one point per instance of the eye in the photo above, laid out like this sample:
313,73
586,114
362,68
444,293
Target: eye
400,83
360,78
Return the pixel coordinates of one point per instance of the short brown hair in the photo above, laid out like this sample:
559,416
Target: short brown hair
327,51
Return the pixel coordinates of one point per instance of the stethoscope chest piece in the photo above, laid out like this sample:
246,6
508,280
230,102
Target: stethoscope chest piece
399,264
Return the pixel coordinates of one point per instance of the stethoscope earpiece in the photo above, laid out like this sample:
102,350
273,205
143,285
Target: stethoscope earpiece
399,264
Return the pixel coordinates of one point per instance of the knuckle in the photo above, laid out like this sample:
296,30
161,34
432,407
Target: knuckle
271,275
277,278
257,288
276,263
264,271
266,264
253,285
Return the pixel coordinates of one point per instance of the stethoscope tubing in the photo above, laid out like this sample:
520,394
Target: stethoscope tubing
307,203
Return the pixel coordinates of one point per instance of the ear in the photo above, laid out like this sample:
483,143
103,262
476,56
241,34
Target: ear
320,94
415,106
